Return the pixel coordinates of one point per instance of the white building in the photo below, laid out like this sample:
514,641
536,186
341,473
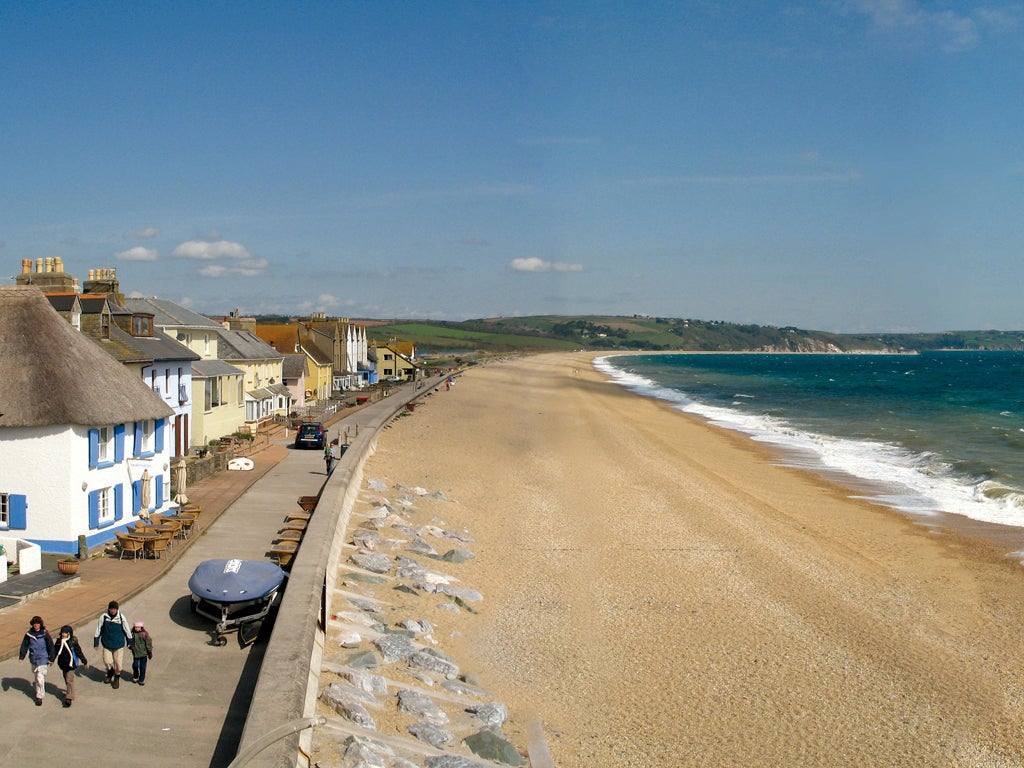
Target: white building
83,441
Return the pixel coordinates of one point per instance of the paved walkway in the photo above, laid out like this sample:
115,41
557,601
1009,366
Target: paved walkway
197,696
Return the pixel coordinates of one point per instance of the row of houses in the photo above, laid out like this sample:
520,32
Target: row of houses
102,396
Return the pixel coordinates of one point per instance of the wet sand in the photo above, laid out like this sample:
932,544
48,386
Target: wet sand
660,592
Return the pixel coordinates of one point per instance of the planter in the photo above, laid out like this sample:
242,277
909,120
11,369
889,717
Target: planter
68,567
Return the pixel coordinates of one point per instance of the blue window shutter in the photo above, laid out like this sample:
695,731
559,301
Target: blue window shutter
137,448
159,485
119,442
94,447
136,497
118,502
94,509
160,435
17,507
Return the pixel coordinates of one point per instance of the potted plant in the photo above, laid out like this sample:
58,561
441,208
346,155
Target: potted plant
69,565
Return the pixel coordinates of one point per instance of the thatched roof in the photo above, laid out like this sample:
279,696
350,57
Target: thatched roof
54,374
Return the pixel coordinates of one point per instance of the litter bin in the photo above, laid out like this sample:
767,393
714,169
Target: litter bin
410,407
344,447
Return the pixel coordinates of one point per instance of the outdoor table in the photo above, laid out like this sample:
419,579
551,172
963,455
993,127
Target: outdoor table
293,516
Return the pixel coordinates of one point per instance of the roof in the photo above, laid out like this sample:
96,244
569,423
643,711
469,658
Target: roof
294,366
93,303
207,369
283,338
167,314
64,302
244,345
54,375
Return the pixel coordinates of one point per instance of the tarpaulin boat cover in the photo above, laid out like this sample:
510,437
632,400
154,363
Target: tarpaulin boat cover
234,581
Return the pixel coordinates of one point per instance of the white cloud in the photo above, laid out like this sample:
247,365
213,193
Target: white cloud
138,253
246,268
145,234
533,264
913,24
207,250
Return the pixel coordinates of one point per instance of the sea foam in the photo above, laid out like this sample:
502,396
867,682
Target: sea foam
916,483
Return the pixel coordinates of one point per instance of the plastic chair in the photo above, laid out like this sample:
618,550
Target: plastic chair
128,545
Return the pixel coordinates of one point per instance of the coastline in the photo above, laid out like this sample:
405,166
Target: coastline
660,591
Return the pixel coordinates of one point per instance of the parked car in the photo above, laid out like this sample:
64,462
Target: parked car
394,379
310,435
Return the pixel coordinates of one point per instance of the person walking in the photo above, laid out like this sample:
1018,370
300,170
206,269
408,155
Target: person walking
328,457
38,646
69,656
113,631
142,652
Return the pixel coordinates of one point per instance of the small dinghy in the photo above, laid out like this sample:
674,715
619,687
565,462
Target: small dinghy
237,594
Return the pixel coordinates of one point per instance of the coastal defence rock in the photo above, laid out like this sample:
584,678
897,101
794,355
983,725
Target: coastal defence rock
493,746
415,703
395,647
434,735
350,703
372,561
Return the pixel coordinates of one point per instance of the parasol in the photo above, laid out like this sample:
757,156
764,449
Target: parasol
180,478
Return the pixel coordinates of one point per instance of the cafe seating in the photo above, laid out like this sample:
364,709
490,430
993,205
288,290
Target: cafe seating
129,546
158,545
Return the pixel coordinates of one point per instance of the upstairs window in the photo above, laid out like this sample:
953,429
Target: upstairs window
103,445
142,325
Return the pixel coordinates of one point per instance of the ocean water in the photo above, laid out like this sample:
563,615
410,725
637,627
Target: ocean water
928,433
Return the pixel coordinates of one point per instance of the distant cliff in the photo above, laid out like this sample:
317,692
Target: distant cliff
641,332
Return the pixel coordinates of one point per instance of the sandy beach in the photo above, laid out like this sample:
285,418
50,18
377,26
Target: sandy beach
660,592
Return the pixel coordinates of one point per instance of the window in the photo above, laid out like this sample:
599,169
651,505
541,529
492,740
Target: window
5,511
206,344
106,509
167,380
76,320
105,325
145,432
103,452
142,325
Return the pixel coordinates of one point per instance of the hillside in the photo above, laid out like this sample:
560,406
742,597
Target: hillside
560,332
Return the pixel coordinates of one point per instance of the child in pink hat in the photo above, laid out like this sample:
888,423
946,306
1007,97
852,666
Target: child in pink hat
142,651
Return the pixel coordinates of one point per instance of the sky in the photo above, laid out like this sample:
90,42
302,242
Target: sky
843,165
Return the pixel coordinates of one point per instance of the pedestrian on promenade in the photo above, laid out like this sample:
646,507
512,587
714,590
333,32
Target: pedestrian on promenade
113,631
69,656
328,457
142,652
38,645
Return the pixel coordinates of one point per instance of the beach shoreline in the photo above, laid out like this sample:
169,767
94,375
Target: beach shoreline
661,591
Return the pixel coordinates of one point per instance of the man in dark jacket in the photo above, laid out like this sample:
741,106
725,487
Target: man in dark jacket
38,645
114,631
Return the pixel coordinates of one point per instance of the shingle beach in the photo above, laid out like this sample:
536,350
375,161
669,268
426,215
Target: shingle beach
657,591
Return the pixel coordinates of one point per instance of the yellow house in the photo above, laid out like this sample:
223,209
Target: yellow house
394,359
218,388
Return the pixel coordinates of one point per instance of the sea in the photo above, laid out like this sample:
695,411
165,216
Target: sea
930,434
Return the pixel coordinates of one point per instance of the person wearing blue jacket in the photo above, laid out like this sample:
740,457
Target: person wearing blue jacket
114,631
38,646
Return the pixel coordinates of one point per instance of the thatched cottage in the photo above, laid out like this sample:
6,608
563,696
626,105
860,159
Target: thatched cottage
83,440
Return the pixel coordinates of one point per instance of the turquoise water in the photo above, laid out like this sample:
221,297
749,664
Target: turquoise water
928,433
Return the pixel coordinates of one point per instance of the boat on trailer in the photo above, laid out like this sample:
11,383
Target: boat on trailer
237,594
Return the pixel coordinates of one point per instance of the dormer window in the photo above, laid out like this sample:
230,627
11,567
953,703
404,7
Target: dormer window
105,325
142,325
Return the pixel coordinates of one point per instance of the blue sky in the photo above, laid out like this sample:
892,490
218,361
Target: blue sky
854,165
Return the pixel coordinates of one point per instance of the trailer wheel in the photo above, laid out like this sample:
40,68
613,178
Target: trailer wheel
220,640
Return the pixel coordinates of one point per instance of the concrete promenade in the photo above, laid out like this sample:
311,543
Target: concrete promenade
194,706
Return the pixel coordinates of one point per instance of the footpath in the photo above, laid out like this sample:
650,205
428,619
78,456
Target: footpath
195,703
78,601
